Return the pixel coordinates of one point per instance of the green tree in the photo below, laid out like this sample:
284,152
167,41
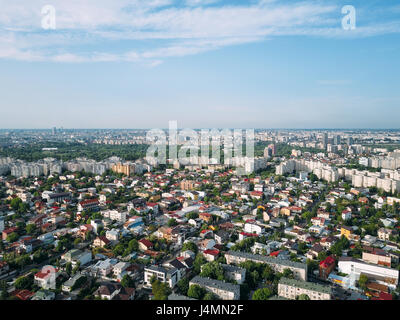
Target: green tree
12,237
212,270
262,294
196,292
303,296
198,262
362,281
172,222
183,286
24,282
68,268
160,290
127,282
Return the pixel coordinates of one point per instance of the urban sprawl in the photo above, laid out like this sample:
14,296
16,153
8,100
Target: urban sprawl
84,214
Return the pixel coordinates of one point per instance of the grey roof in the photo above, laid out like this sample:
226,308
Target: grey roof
265,259
306,285
232,268
202,281
174,296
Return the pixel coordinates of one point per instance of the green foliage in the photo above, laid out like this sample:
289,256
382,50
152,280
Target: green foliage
12,237
303,296
190,246
183,286
198,262
127,282
24,282
160,290
262,294
212,270
172,222
196,292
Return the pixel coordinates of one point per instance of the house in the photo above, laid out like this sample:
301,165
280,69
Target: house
120,269
113,235
7,232
314,251
205,216
88,205
326,266
108,291
376,256
101,241
46,278
74,256
346,214
211,254
103,267
145,244
384,233
125,294
346,231
221,237
44,295
166,275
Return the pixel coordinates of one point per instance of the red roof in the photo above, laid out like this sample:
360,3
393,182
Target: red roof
146,242
212,252
275,253
23,294
383,296
327,262
249,234
90,201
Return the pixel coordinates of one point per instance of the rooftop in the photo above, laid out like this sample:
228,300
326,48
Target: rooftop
306,285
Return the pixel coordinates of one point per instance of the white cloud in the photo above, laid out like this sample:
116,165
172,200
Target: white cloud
156,29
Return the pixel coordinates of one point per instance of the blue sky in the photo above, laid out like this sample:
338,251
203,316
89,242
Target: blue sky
205,63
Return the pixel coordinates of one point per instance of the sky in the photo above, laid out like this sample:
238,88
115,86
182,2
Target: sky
204,63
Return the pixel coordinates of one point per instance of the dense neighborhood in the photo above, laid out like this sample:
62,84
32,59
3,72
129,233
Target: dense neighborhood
173,232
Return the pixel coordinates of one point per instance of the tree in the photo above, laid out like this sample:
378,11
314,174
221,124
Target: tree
24,282
68,268
303,296
262,294
210,296
196,292
3,288
160,290
127,282
190,246
198,262
183,285
12,237
362,281
172,222
30,229
212,270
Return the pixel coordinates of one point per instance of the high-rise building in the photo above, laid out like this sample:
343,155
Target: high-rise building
54,130
325,139
336,140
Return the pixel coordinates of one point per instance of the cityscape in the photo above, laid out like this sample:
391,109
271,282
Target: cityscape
206,154
315,219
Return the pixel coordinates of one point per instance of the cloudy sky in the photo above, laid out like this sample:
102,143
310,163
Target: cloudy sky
205,63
